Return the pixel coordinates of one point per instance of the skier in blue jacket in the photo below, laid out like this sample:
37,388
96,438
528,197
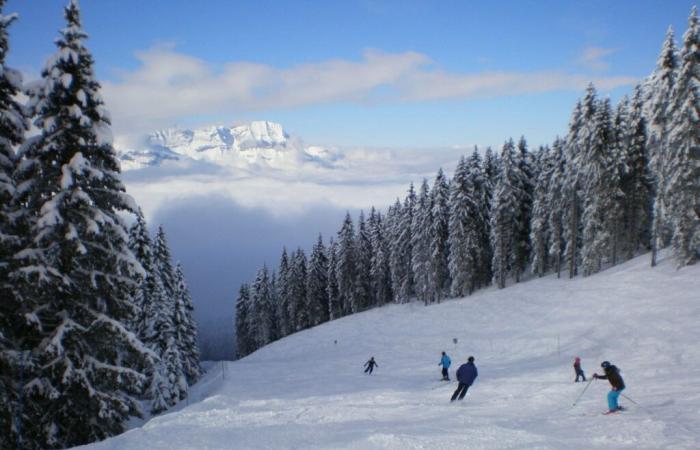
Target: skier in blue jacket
445,362
466,374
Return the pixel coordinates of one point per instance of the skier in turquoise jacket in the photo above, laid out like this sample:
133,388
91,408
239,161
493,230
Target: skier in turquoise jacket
445,362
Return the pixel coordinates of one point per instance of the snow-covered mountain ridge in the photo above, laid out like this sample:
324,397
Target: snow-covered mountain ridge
255,143
308,390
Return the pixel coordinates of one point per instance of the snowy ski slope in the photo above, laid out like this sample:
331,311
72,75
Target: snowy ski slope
307,392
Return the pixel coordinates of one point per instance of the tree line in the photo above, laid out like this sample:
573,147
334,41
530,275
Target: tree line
624,179
96,324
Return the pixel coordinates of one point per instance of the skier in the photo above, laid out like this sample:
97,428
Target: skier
370,365
466,374
445,362
612,374
578,370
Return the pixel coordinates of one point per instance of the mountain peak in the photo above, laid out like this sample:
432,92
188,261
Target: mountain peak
258,142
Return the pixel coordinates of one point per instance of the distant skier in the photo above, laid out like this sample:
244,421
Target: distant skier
466,374
370,365
445,362
579,371
612,374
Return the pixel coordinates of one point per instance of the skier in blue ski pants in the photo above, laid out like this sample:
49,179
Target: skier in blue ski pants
612,374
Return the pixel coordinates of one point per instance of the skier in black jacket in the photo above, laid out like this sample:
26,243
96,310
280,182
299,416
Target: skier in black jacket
612,374
370,365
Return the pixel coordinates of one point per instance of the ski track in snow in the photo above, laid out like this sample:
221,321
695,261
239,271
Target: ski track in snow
305,392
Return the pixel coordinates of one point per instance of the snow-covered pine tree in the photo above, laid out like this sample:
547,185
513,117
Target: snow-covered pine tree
363,250
601,192
540,232
244,334
380,274
164,263
149,299
260,313
555,203
77,268
317,284
391,227
274,308
575,154
636,181
439,251
662,83
460,263
420,245
683,162
13,126
335,308
163,319
478,227
297,291
524,192
148,283
283,307
491,168
619,147
346,267
504,210
186,328
401,249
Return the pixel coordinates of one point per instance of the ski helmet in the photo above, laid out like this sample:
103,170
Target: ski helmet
605,364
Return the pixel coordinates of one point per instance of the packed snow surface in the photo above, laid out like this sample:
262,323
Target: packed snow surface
307,391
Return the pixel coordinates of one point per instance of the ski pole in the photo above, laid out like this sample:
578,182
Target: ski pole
583,392
629,399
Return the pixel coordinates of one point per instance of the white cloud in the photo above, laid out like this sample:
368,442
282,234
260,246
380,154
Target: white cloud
169,86
592,58
362,178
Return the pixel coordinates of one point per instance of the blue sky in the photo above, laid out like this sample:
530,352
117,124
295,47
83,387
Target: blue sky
411,75
357,73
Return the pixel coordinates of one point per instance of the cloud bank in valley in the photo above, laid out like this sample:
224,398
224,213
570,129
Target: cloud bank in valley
225,222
